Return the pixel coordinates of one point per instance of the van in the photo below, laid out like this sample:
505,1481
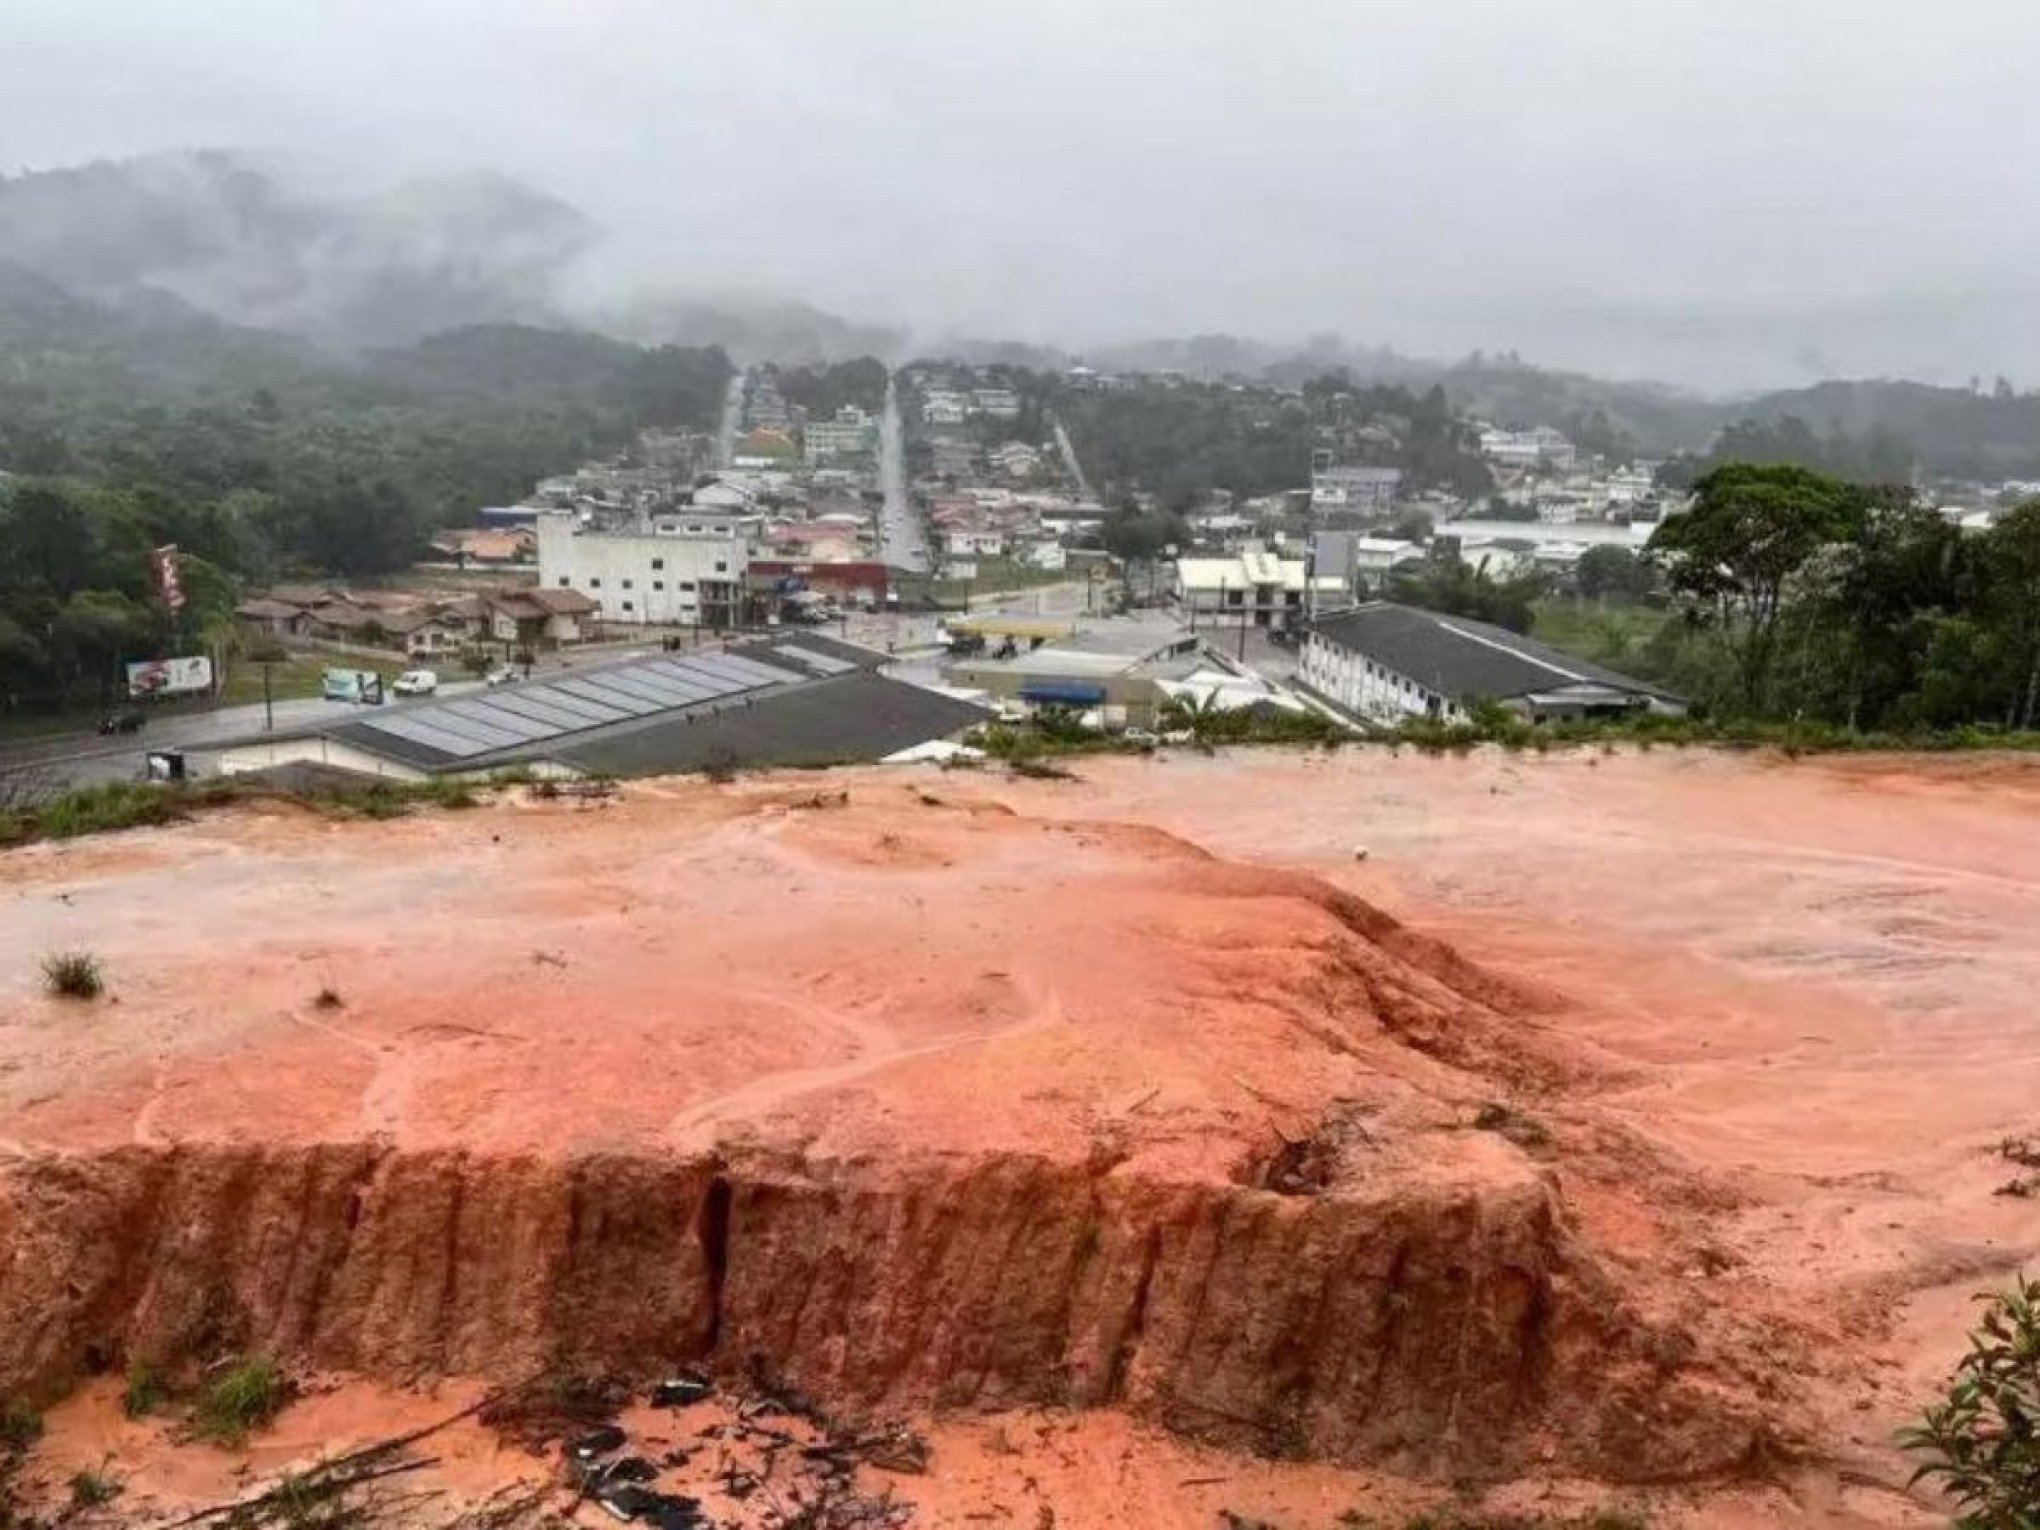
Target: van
356,685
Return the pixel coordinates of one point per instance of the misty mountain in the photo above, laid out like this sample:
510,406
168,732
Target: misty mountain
749,329
227,236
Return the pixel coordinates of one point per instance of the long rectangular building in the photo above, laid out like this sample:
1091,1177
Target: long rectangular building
1385,662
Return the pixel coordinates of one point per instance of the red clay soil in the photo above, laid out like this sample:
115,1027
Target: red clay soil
1653,1145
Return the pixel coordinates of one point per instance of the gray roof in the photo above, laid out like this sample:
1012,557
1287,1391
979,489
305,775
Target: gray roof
1464,659
857,715
797,699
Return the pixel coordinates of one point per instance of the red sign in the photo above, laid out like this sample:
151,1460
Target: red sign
163,572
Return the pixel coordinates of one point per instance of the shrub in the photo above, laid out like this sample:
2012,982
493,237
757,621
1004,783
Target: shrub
73,975
20,1426
89,1489
145,1390
1982,1441
241,1399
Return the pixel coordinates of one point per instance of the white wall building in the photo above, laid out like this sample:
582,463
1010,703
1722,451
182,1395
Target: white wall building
1256,586
1539,448
1352,489
942,408
678,568
1386,662
851,433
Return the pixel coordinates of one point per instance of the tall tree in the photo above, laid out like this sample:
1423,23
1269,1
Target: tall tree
1749,531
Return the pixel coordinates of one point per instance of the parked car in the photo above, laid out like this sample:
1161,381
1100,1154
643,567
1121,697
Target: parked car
1141,737
416,682
502,674
126,720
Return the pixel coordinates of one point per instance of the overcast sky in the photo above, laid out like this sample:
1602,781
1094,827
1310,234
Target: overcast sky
1721,192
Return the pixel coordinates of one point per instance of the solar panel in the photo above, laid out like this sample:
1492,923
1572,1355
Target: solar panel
640,685
689,690
480,734
424,733
609,695
760,674
545,710
714,681
820,663
721,670
499,718
607,706
591,712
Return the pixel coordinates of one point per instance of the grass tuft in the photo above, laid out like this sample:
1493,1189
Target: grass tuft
73,975
240,1400
145,1390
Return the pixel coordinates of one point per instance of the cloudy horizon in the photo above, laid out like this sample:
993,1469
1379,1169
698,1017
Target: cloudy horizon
1722,195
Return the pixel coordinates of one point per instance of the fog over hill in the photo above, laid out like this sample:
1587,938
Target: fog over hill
176,267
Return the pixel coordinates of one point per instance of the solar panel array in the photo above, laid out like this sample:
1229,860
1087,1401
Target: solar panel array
532,714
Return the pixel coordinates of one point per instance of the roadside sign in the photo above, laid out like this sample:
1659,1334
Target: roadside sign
170,677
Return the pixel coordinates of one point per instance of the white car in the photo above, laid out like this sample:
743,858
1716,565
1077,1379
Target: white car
416,682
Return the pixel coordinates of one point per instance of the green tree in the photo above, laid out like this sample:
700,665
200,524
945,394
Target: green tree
1732,554
1982,1440
1609,572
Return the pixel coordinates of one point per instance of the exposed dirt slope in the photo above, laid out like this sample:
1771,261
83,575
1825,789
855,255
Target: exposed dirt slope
914,1100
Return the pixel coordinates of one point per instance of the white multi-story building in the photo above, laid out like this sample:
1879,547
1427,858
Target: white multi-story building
853,432
996,403
943,408
675,568
1257,587
1539,448
1337,488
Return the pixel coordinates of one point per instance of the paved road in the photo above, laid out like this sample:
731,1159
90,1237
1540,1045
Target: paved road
66,761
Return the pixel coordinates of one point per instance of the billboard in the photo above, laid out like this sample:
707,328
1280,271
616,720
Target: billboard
170,677
165,575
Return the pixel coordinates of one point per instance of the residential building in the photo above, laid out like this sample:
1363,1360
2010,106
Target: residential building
683,568
1337,487
996,403
541,618
1015,459
852,433
1254,586
973,542
1542,448
944,408
1385,662
474,545
765,446
1360,562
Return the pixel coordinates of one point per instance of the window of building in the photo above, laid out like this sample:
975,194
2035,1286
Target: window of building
721,566
594,584
658,584
565,581
626,584
658,563
687,586
628,606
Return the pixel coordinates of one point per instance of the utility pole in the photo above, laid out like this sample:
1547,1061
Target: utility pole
268,705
